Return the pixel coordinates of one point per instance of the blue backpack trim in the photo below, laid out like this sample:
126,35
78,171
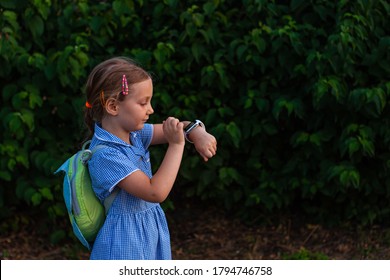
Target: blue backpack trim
69,190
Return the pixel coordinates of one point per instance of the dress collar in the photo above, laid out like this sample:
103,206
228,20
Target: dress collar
105,136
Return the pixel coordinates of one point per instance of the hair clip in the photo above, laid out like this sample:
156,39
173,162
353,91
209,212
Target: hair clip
102,98
88,105
125,87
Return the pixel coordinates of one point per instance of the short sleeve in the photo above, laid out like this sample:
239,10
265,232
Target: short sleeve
107,168
146,135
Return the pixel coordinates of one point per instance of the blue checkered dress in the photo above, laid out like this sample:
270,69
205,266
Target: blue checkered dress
134,228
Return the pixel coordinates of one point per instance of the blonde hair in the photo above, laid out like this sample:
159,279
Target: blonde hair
104,82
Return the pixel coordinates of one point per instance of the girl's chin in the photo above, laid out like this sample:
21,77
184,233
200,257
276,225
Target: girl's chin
140,126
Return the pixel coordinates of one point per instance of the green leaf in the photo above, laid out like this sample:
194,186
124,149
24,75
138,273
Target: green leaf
348,177
248,103
270,129
57,236
8,4
18,99
5,175
36,26
336,87
368,146
38,60
81,57
198,19
316,139
46,193
283,103
377,97
11,18
171,3
225,111
14,122
241,51
9,91
228,175
34,96
75,67
27,117
36,199
191,29
197,50
321,88
235,133
120,7
299,138
295,4
209,8
43,7
221,70
259,43
334,171
84,8
352,145
29,194
96,23
11,164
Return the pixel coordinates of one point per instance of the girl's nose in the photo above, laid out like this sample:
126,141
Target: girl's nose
150,109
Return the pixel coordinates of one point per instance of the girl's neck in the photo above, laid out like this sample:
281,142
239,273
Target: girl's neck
113,128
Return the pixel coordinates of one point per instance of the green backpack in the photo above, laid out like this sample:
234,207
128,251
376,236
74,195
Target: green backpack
86,212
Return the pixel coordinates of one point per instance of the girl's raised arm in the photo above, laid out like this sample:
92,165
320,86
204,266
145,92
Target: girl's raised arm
204,142
158,134
157,188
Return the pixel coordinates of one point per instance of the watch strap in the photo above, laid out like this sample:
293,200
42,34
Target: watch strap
191,126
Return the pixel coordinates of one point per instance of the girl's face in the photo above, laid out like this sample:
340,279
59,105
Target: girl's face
135,109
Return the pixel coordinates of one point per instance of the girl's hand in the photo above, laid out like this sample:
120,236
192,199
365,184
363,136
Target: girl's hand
173,131
204,143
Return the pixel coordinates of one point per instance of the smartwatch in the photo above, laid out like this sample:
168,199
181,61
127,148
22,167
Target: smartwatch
191,126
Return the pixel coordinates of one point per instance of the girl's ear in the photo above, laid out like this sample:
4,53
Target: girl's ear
112,106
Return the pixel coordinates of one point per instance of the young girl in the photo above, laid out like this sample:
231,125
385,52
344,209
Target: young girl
118,106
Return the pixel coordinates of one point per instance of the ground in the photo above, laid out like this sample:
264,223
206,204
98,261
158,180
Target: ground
209,234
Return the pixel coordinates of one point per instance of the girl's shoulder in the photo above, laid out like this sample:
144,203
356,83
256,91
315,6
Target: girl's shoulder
144,135
146,131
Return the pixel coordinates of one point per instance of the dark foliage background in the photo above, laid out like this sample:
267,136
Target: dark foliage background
296,93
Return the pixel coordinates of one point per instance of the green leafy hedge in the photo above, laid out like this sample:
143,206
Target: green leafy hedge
296,93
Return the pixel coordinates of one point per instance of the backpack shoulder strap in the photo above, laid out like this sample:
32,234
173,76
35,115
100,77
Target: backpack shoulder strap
110,199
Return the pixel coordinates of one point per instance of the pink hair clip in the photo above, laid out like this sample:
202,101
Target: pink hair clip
125,87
